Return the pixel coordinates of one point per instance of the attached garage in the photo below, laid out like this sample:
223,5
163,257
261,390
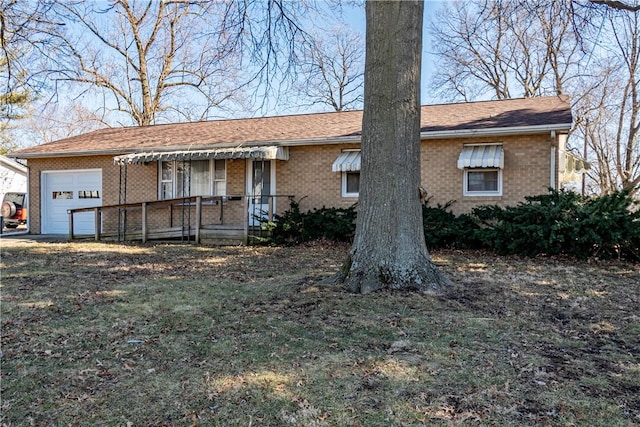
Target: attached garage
70,189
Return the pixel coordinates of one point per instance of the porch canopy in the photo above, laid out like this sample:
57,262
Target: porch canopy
260,153
347,161
481,156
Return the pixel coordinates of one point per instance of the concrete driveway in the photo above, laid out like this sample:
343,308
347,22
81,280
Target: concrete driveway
15,237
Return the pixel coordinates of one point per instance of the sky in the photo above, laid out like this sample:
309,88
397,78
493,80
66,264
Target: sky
355,18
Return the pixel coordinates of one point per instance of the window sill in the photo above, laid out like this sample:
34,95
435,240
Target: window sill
487,198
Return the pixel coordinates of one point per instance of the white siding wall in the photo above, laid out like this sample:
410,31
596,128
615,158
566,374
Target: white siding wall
13,177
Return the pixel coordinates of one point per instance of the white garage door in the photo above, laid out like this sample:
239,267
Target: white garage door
63,190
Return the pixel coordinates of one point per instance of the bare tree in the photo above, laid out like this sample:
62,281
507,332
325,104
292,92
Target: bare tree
22,46
389,248
333,70
504,48
23,42
610,113
148,55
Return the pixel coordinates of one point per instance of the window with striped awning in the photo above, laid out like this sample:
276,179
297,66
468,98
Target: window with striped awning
348,164
481,156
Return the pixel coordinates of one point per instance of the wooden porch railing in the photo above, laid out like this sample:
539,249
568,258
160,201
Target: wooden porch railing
232,214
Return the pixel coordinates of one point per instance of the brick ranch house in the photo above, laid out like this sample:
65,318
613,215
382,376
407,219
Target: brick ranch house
489,152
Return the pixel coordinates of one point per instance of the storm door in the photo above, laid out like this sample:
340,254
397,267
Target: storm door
261,180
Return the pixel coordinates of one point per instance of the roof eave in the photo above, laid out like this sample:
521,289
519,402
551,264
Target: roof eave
112,152
513,130
5,160
67,154
354,139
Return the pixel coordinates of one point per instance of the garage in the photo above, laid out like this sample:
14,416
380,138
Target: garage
70,189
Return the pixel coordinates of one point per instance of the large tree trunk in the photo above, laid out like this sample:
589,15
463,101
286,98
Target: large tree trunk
389,249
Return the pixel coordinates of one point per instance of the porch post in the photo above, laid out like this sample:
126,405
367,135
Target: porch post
144,222
198,218
245,237
70,213
97,217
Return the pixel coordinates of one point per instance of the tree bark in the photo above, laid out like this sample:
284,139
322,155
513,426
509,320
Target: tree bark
389,250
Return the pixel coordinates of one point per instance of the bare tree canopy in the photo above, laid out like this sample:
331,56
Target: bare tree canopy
23,47
24,42
145,53
149,61
609,113
504,48
333,70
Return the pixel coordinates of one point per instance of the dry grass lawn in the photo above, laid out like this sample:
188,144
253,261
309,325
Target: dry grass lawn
180,335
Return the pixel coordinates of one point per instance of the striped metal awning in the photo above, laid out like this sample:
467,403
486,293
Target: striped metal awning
347,161
481,156
261,153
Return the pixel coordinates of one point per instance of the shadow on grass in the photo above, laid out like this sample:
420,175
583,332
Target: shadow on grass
184,335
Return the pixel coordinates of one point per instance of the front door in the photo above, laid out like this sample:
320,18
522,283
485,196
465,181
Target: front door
261,183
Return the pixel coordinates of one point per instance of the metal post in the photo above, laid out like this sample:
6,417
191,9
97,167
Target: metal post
198,218
245,238
122,199
70,213
97,218
144,222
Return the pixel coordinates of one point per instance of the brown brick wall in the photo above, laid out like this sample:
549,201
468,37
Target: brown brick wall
526,170
307,175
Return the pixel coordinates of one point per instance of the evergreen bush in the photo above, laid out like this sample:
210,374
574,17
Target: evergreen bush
560,222
294,226
442,229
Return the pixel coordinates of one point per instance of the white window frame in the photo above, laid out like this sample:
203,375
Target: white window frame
467,192
344,185
174,180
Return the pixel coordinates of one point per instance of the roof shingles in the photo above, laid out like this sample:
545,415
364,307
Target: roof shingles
306,127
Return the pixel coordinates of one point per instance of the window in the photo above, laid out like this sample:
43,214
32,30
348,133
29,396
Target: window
62,195
348,164
482,182
482,165
192,178
86,194
350,184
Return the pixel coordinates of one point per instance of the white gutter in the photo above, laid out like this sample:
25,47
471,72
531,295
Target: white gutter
12,164
514,130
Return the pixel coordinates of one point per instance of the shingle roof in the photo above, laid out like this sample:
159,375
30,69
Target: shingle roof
311,128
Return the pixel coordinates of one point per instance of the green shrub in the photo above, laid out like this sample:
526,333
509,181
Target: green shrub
608,227
295,227
442,229
562,222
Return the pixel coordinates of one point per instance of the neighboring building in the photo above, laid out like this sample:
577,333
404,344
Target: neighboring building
490,152
13,177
